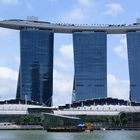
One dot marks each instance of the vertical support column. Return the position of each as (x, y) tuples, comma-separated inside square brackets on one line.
[(90, 63), (18, 95)]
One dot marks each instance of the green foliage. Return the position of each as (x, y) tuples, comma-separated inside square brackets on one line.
[(37, 120), (123, 119), (25, 120), (112, 120)]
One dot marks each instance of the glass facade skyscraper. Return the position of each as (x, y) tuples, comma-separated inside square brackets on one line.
[(35, 80), (90, 63), (133, 44)]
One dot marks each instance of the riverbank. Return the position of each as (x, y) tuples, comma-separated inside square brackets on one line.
[(74, 129)]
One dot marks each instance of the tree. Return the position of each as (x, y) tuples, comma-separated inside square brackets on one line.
[(123, 119), (25, 119), (37, 120)]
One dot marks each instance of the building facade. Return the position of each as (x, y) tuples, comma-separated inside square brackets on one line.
[(35, 80), (90, 65), (133, 44)]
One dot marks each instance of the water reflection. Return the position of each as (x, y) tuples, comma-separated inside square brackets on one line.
[(95, 135)]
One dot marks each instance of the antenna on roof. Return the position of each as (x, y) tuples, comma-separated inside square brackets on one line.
[(32, 18)]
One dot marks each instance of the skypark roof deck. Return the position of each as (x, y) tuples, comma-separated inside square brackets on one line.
[(18, 24)]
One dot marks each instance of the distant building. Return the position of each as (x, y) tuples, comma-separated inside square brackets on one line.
[(133, 44), (36, 66), (90, 63), (109, 113), (14, 111)]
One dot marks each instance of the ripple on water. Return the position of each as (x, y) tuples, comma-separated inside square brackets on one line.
[(95, 135)]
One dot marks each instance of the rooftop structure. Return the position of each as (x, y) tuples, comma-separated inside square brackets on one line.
[(98, 110), (104, 106), (18, 109), (69, 28)]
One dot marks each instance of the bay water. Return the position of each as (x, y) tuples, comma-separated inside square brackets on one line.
[(44, 135)]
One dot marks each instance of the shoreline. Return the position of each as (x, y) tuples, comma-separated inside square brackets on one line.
[(21, 127), (90, 130), (39, 127)]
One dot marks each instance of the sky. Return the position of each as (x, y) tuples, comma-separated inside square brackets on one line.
[(67, 11)]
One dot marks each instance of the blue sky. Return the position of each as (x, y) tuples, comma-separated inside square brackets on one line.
[(67, 11)]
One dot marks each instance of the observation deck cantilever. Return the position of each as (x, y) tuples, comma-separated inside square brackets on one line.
[(69, 28)]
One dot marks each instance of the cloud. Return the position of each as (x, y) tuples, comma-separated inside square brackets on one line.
[(60, 64), (121, 50), (86, 2), (113, 9), (10, 2), (7, 73), (29, 6), (8, 83), (62, 87), (80, 12), (7, 89), (63, 75), (75, 15), (64, 58), (117, 88), (9, 52), (9, 44), (67, 51)]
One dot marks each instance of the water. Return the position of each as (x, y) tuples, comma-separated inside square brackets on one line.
[(95, 135)]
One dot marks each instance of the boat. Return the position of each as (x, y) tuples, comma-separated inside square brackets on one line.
[(102, 128), (62, 129)]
